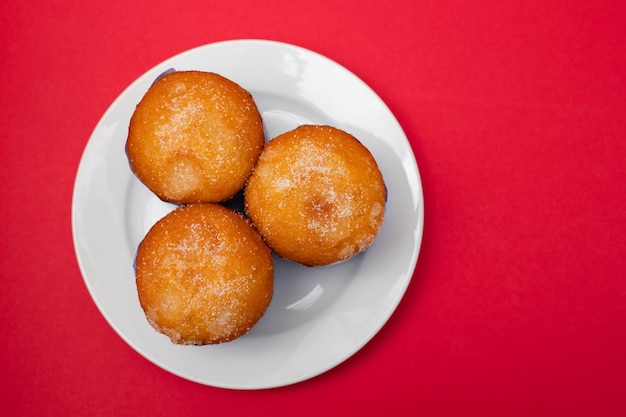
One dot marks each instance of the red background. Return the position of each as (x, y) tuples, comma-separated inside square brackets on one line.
[(516, 112)]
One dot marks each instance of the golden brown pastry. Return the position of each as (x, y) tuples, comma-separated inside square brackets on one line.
[(204, 275), (194, 137), (316, 195)]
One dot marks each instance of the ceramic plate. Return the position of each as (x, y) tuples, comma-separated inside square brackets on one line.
[(318, 317)]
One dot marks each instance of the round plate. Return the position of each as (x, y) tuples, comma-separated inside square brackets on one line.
[(319, 316)]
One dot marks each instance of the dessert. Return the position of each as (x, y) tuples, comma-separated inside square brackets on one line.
[(194, 137), (203, 275), (316, 195)]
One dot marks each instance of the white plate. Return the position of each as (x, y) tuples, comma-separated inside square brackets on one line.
[(319, 316)]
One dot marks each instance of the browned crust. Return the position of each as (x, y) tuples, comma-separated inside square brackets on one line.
[(316, 195), (194, 137), (204, 275)]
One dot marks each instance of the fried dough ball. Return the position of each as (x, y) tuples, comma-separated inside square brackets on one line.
[(316, 195), (204, 275), (194, 137)]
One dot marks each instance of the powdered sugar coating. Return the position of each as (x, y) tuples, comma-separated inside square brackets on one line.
[(203, 275), (194, 137), (316, 195)]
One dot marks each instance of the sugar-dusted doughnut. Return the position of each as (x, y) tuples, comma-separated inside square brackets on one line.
[(316, 195), (194, 137), (203, 275)]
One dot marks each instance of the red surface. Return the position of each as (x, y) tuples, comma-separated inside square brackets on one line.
[(516, 112)]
